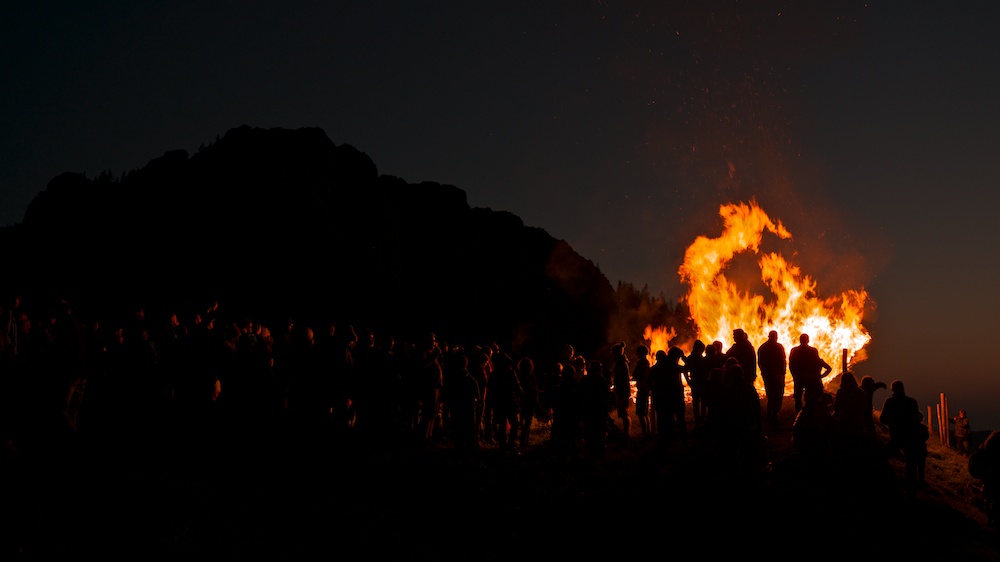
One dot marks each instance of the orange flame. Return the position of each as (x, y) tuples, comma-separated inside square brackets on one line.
[(718, 306), (659, 338)]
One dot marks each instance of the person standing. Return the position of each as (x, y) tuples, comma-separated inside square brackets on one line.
[(529, 399), (869, 386), (849, 411), (697, 375), (744, 352), (808, 370), (430, 377), (11, 328), (620, 379), (464, 396), (481, 366), (773, 365), (738, 418), (640, 374), (901, 414), (963, 433), (595, 399), (668, 395), (506, 390), (984, 464)]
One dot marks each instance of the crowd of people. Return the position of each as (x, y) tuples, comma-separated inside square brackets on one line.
[(201, 378)]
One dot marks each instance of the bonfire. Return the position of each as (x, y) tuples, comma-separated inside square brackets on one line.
[(794, 306)]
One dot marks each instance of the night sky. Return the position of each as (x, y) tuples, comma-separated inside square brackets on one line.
[(870, 130)]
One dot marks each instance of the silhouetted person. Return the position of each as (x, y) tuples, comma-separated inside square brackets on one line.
[(548, 381), (464, 398), (984, 464), (45, 374), (489, 421), (225, 362), (901, 414), (308, 405), (336, 350), (93, 410), (773, 363), (716, 379), (10, 326), (807, 369), (283, 337), (665, 378), (715, 360), (963, 433), (849, 411), (620, 378), (137, 324), (579, 371), (566, 411), (744, 352), (480, 367), (596, 395), (454, 366), (196, 387), (738, 416), (429, 381), (507, 392), (550, 396), (172, 339), (529, 400), (812, 430), (720, 350), (697, 367), (869, 386), (250, 401), (640, 374), (11, 382), (362, 399)]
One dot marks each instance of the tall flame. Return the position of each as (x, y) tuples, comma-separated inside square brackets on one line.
[(718, 306)]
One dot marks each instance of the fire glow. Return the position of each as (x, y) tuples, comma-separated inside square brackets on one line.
[(718, 306)]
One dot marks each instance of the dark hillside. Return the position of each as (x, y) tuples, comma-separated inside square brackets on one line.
[(284, 222)]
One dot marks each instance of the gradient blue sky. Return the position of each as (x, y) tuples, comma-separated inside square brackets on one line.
[(869, 129)]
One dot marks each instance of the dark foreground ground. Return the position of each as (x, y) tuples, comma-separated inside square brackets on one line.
[(274, 498)]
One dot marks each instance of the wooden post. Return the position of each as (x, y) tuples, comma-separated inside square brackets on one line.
[(937, 409), (844, 362), (942, 416), (930, 425), (947, 417)]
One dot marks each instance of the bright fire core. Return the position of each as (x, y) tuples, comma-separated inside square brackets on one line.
[(718, 305)]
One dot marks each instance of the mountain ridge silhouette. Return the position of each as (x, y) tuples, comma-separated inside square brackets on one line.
[(284, 222)]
